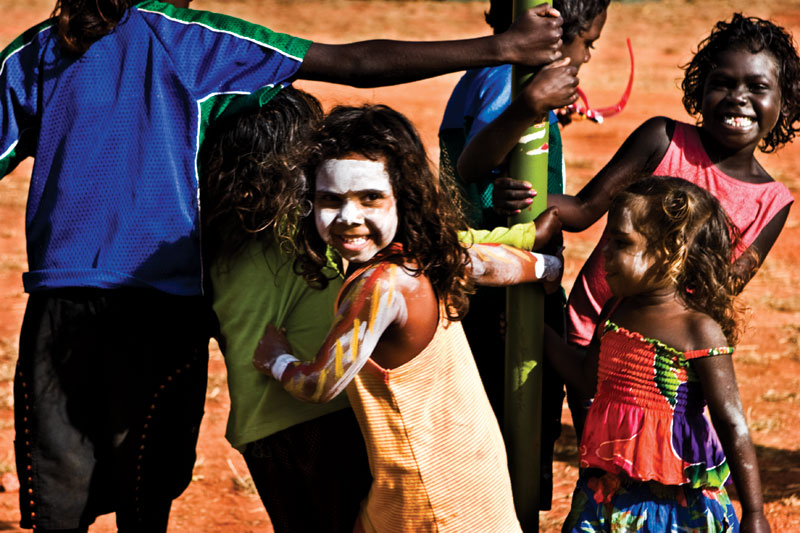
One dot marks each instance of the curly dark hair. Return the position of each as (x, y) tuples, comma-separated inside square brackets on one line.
[(82, 22), (577, 14), (428, 219), (253, 186), (693, 242), (754, 35)]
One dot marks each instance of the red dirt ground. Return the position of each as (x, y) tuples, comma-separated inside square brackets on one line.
[(664, 35)]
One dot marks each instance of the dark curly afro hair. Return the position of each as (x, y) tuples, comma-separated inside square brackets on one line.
[(755, 35)]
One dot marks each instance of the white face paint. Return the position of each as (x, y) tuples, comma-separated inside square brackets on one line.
[(355, 210), (627, 260)]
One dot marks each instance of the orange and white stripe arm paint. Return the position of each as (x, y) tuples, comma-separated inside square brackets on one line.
[(372, 305), (369, 308), (499, 265)]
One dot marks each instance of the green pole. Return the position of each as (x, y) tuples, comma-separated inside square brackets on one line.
[(524, 320)]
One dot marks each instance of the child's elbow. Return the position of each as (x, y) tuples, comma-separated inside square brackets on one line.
[(464, 171)]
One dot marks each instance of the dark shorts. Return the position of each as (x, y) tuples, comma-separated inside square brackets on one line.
[(312, 476), (108, 396)]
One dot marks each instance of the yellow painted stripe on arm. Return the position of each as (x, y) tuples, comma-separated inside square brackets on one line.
[(338, 368), (323, 377), (376, 302), (498, 255), (296, 383), (522, 254), (392, 276), (354, 343)]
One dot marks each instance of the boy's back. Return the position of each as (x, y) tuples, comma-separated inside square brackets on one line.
[(115, 133)]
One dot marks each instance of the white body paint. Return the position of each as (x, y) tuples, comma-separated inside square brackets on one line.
[(538, 134), (355, 210), (392, 309), (548, 267), (499, 266), (537, 151), (278, 367)]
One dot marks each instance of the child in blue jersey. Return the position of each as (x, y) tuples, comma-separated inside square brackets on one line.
[(113, 98)]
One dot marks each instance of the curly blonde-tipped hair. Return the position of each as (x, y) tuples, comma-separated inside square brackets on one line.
[(692, 241), (253, 187)]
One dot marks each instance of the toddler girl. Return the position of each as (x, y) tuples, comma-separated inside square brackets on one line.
[(650, 460)]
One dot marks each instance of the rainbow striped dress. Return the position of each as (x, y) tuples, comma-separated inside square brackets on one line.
[(651, 459)]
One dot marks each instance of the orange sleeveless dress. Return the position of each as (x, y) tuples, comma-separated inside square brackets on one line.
[(435, 450)]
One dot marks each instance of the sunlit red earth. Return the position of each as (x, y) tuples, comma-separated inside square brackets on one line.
[(664, 35)]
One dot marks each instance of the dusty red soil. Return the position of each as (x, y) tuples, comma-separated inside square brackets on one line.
[(664, 34)]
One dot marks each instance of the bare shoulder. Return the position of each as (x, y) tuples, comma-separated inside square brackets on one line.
[(655, 132), (702, 332), (395, 275), (658, 124)]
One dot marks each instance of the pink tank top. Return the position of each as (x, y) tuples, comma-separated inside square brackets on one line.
[(750, 206)]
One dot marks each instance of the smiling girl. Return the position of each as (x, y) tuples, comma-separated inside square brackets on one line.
[(436, 454), (743, 84)]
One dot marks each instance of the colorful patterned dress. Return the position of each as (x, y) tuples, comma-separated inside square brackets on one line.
[(651, 460)]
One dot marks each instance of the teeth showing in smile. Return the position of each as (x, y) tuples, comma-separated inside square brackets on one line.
[(737, 122), (354, 240)]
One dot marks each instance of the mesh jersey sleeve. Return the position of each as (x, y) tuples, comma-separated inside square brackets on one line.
[(216, 53), (19, 82), (490, 96)]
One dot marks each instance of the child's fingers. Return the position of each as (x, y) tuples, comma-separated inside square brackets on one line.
[(273, 335), (512, 184), (510, 196), (546, 10), (563, 62), (507, 212)]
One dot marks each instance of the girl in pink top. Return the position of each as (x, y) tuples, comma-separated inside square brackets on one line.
[(396, 345), (744, 83)]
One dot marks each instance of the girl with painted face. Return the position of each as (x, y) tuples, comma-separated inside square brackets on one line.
[(650, 460), (396, 347)]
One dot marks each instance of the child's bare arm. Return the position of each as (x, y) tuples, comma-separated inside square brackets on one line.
[(534, 39), (638, 156), (552, 87), (365, 313), (721, 392), (577, 366), (498, 265), (746, 266)]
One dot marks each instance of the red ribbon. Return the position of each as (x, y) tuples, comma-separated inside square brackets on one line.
[(599, 114)]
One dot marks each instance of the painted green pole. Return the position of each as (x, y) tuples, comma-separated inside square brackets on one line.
[(525, 320)]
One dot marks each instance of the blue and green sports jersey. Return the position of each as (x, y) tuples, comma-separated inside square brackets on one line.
[(480, 96), (115, 134)]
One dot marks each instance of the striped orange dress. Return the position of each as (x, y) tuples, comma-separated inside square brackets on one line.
[(435, 450)]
